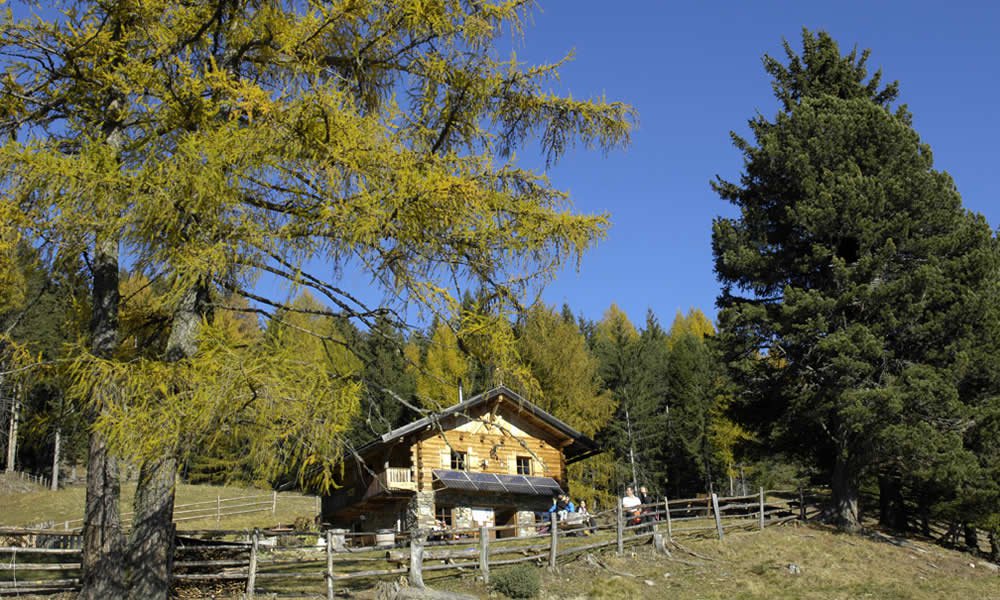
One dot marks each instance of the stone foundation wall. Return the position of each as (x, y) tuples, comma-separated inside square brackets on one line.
[(525, 522), (420, 511)]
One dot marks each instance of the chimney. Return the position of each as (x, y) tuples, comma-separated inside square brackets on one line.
[(460, 391)]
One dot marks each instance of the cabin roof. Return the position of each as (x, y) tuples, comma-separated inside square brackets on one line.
[(580, 448)]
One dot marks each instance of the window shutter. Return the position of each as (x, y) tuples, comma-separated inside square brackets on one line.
[(445, 458), (512, 463), (470, 460)]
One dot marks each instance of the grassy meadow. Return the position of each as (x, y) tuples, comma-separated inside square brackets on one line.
[(22, 503), (755, 565)]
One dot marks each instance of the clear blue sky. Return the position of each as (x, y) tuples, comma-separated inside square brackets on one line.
[(693, 70)]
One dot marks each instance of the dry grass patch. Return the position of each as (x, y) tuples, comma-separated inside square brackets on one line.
[(758, 565), (20, 505)]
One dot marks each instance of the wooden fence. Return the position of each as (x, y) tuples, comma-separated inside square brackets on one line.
[(41, 480), (207, 509), (296, 562)]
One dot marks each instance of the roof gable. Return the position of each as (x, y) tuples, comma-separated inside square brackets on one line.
[(503, 408)]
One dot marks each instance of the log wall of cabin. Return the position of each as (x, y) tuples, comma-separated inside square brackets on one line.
[(434, 452)]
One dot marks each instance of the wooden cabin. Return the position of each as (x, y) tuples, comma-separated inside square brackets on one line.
[(494, 459)]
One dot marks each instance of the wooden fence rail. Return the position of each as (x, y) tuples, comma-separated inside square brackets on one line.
[(291, 562), (41, 480), (212, 509)]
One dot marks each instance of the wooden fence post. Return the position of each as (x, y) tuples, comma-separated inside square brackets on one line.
[(670, 527), (620, 529), (802, 504), (658, 543), (484, 553), (252, 570), (762, 508), (718, 517), (274, 502), (554, 538), (218, 509), (417, 536), (329, 565)]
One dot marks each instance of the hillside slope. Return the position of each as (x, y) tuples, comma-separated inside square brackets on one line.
[(756, 565)]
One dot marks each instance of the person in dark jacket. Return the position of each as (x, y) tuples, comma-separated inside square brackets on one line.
[(649, 505)]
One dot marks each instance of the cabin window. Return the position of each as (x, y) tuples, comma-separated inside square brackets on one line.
[(443, 516), (458, 461), (524, 465)]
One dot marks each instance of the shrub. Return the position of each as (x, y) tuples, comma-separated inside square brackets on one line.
[(518, 582)]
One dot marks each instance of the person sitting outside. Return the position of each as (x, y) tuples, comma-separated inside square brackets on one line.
[(588, 521), (543, 519), (649, 505), (564, 506), (630, 506)]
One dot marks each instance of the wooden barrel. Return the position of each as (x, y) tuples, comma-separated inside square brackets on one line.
[(385, 537)]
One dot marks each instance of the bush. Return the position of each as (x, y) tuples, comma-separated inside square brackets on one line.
[(518, 582)]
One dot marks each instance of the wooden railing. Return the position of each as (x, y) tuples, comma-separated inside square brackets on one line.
[(398, 478)]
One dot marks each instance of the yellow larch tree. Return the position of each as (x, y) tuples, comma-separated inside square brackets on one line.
[(214, 141)]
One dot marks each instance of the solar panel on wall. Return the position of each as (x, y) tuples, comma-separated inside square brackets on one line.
[(455, 479), (545, 486), (495, 483), (487, 482), (516, 484)]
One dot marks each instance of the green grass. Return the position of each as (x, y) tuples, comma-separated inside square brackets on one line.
[(40, 505), (747, 565), (751, 565)]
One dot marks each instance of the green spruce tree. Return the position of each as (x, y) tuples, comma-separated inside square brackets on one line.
[(849, 275)]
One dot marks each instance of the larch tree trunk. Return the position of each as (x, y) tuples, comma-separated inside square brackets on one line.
[(12, 432), (151, 546), (55, 461), (103, 556)]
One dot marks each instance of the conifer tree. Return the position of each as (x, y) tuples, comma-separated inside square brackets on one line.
[(387, 379), (567, 374), (438, 367), (568, 387), (650, 405), (851, 276), (223, 140), (615, 343), (50, 317)]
